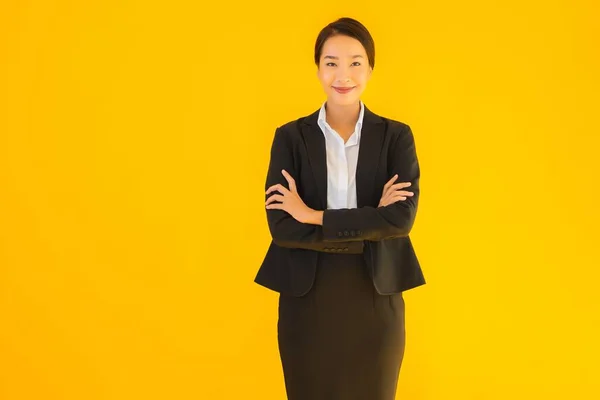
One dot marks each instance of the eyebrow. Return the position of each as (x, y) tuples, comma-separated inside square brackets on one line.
[(336, 58)]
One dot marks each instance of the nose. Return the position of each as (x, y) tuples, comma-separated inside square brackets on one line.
[(343, 76)]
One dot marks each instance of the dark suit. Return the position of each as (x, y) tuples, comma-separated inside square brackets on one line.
[(381, 234)]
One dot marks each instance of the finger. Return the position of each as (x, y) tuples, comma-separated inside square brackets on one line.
[(404, 193), (387, 199), (389, 183), (278, 187), (394, 199), (291, 181), (270, 189), (400, 185), (390, 192), (391, 199), (275, 206), (396, 188), (275, 197)]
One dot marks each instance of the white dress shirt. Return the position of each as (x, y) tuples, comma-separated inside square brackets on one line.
[(341, 162)]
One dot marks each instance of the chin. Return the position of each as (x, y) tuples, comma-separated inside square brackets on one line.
[(342, 101)]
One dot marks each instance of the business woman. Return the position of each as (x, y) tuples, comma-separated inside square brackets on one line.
[(342, 191)]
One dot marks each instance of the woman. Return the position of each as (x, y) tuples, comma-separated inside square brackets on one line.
[(339, 212)]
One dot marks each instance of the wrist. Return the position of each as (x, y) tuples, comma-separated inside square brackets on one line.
[(316, 217)]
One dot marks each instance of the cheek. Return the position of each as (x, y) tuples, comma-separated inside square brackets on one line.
[(361, 77), (325, 79)]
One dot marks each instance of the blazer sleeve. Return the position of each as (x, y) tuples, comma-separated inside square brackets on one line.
[(285, 230), (378, 223)]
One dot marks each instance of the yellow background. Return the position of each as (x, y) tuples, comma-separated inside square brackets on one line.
[(134, 142)]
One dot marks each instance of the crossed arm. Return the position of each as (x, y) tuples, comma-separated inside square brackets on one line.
[(292, 224)]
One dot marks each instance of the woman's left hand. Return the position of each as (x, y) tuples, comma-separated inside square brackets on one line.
[(289, 200)]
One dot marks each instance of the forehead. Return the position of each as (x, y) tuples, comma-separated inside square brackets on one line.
[(342, 46)]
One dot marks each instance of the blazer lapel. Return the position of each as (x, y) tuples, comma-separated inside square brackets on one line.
[(371, 141), (317, 154)]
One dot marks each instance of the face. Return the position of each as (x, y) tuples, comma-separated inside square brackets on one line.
[(344, 70)]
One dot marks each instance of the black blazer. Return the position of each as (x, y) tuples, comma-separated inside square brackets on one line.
[(387, 147)]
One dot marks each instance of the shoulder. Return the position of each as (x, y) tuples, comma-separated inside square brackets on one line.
[(395, 127), (292, 127), (398, 133), (295, 126), (291, 131)]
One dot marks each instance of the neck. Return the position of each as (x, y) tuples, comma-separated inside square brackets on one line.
[(341, 115)]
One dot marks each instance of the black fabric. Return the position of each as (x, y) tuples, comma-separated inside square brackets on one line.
[(342, 340), (387, 147)]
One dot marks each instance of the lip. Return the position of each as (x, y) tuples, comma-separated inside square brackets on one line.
[(343, 90)]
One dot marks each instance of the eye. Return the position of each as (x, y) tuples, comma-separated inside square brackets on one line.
[(330, 64), (356, 62)]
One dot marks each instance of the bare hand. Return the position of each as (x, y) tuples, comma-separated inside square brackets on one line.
[(393, 193), (289, 200)]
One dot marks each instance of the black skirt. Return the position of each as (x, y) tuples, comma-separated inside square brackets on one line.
[(342, 340)]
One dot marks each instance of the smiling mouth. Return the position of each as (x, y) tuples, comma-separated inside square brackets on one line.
[(343, 89)]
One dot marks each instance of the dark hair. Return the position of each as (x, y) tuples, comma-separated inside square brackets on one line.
[(348, 27)]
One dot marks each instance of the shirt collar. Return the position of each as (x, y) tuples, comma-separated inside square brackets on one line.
[(322, 121)]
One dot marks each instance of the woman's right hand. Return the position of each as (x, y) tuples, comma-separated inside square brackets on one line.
[(393, 192)]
